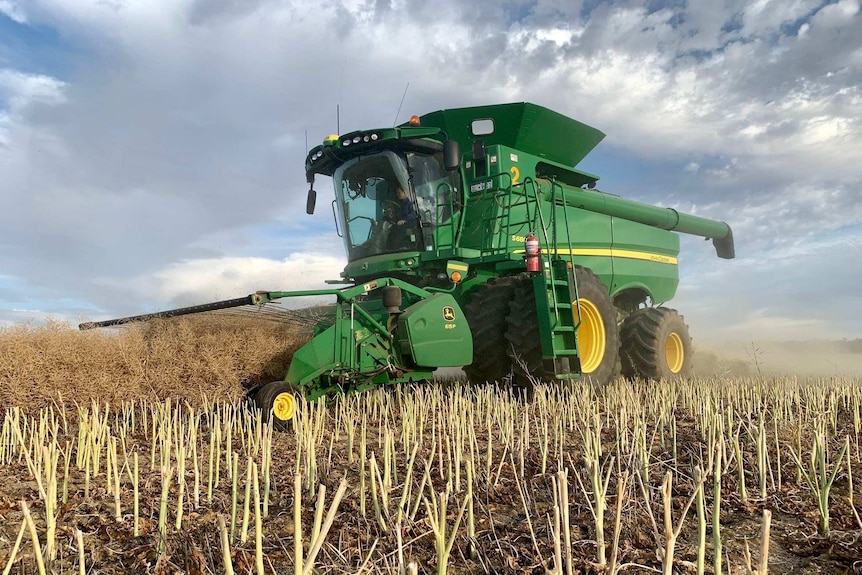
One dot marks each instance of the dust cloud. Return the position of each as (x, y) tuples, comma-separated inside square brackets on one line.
[(768, 358)]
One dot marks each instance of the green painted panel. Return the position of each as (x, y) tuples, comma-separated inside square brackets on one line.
[(645, 258), (435, 332), (314, 356), (526, 127)]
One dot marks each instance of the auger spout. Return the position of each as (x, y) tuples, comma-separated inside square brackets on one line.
[(665, 218)]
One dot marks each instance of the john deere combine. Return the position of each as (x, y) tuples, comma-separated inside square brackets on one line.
[(473, 241)]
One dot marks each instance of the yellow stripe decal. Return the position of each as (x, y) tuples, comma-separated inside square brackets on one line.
[(605, 252), (459, 267)]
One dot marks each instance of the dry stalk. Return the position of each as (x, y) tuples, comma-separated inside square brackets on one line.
[(598, 502), (437, 518), (167, 473), (850, 485), (258, 523), (817, 476), (318, 511), (34, 537), (234, 496), (297, 524), (526, 510), (622, 484), (764, 543), (225, 547), (327, 524), (246, 504), (671, 532), (79, 538), (14, 553)]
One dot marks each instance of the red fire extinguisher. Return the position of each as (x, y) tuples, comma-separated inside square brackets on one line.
[(531, 247)]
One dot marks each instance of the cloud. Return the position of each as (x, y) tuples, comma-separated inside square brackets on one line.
[(169, 154), (13, 11), (18, 89), (209, 279), (793, 290)]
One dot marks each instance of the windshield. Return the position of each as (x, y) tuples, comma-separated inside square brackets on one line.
[(391, 202)]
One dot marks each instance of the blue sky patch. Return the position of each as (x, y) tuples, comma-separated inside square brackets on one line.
[(36, 49)]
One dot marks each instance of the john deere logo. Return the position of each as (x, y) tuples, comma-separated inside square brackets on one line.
[(449, 313)]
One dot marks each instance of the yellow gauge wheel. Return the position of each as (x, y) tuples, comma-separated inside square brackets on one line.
[(591, 336), (284, 406), (674, 352)]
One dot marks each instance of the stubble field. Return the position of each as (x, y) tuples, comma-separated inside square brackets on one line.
[(134, 452)]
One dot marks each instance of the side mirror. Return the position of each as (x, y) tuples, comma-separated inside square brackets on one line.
[(311, 201), (451, 155)]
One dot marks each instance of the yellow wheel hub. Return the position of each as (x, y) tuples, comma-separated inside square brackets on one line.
[(591, 336), (284, 406), (674, 352)]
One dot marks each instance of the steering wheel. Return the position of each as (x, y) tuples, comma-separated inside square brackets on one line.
[(390, 209)]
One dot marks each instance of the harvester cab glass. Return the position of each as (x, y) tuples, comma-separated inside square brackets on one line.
[(390, 202)]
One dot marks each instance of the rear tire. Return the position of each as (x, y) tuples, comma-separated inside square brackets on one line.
[(278, 401), (486, 315), (656, 344)]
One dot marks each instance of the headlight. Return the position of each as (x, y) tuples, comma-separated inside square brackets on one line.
[(356, 139)]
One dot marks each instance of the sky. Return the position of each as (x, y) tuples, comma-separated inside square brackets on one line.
[(152, 153)]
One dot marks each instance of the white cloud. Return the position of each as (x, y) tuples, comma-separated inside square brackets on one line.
[(837, 15), (18, 89), (765, 17), (173, 146), (210, 279), (13, 10)]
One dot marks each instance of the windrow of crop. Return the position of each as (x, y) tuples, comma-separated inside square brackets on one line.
[(193, 359)]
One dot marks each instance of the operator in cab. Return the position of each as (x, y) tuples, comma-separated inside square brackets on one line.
[(404, 218), (406, 215)]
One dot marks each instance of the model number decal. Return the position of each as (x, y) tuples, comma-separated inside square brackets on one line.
[(516, 173)]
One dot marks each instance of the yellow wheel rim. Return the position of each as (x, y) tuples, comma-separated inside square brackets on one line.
[(674, 352), (284, 406), (591, 336)]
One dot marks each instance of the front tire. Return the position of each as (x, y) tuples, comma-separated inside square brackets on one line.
[(656, 344), (598, 334), (486, 315)]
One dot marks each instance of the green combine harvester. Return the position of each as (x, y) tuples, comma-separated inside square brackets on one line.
[(473, 242)]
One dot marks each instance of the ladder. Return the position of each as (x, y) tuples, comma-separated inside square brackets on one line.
[(556, 289)]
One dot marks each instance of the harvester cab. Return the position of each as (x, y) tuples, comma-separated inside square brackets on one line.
[(473, 240)]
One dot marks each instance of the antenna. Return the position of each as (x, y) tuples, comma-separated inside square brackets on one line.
[(340, 96), (306, 141), (399, 105)]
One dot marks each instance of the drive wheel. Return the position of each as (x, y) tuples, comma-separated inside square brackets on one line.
[(656, 344), (598, 334), (523, 340), (278, 401), (486, 315)]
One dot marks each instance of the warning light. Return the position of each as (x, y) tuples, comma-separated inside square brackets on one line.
[(414, 120), (456, 277)]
